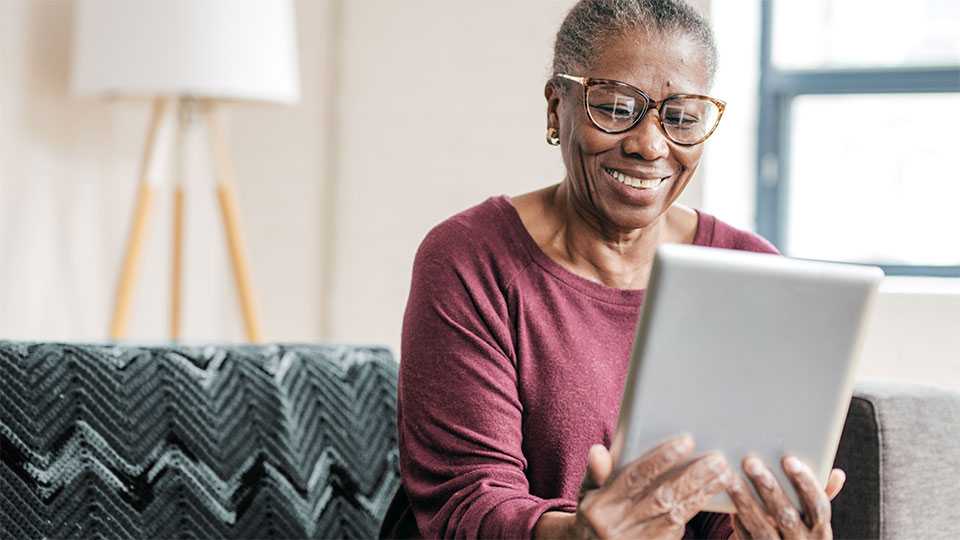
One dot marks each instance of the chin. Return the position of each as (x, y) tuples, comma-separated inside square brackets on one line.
[(630, 215), (634, 219)]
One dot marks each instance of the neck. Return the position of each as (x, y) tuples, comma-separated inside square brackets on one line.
[(616, 257)]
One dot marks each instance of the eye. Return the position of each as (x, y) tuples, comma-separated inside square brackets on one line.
[(615, 110), (613, 105), (680, 119)]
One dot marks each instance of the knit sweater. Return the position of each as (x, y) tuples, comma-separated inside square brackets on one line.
[(511, 368)]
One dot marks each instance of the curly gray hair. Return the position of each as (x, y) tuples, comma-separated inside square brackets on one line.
[(590, 24)]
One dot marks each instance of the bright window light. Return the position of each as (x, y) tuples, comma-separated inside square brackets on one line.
[(813, 34), (874, 178)]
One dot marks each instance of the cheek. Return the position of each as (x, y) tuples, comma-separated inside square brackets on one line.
[(581, 139), (688, 157), (584, 142), (594, 141)]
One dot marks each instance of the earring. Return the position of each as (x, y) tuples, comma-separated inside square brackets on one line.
[(553, 137)]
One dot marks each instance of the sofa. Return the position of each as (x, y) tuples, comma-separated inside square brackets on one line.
[(299, 441), (276, 441)]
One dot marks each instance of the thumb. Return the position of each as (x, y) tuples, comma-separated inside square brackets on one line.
[(599, 465), (835, 483)]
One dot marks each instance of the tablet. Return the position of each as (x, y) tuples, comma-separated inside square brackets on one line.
[(749, 353)]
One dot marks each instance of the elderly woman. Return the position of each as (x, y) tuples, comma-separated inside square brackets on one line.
[(521, 315)]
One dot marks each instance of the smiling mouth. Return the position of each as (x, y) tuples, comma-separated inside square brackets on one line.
[(639, 183)]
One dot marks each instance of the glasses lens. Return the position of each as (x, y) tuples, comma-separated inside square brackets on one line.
[(689, 120), (614, 107)]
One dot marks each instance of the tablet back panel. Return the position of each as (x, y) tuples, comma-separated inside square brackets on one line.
[(749, 353)]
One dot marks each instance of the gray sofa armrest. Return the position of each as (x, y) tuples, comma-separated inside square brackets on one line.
[(901, 451)]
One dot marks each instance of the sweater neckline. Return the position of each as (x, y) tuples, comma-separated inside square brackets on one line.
[(599, 291)]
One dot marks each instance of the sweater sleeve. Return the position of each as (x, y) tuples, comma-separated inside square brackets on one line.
[(710, 525), (459, 411)]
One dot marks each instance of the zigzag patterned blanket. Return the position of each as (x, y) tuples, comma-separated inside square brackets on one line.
[(217, 442)]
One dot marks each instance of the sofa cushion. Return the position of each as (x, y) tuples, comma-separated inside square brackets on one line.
[(901, 450), (856, 510), (217, 442)]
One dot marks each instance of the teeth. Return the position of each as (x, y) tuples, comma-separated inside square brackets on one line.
[(634, 182)]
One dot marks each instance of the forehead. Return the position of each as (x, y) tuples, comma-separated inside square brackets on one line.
[(657, 63)]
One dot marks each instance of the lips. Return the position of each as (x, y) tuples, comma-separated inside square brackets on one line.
[(635, 182)]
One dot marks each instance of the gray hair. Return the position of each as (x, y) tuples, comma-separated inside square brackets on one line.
[(591, 24)]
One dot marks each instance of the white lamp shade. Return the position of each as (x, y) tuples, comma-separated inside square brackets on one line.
[(228, 49)]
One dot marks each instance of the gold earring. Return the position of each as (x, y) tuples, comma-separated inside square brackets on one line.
[(553, 137)]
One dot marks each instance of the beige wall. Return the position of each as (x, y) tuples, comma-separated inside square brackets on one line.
[(411, 111), (461, 84), (914, 334), (68, 171)]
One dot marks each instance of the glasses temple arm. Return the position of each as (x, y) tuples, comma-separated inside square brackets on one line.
[(581, 80)]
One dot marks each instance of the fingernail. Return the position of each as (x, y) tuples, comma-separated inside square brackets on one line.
[(727, 478), (683, 444), (753, 466), (792, 465), (716, 463), (736, 483), (767, 480), (759, 472)]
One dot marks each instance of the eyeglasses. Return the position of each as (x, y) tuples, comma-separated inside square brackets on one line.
[(615, 107)]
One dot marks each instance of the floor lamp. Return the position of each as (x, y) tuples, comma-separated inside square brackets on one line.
[(192, 55)]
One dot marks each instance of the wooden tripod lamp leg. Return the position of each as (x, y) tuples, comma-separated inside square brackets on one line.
[(141, 215), (228, 210), (176, 285), (185, 111)]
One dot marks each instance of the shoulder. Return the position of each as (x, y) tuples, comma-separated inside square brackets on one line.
[(480, 239), (461, 274), (720, 234)]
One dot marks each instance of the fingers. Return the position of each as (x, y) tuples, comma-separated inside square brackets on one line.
[(640, 474), (741, 532), (835, 483), (778, 506), (606, 507), (599, 466), (701, 481), (683, 493), (751, 516), (815, 502)]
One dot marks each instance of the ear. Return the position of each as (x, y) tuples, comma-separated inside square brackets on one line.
[(552, 92)]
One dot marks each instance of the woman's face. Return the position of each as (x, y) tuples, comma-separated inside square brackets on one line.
[(660, 65)]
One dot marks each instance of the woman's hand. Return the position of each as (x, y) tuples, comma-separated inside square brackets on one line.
[(776, 517), (652, 497)]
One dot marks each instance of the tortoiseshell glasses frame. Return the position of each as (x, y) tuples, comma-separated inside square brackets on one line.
[(590, 83)]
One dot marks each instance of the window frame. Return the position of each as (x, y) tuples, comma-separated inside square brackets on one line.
[(779, 87)]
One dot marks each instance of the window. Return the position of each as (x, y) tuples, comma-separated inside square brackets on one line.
[(860, 132)]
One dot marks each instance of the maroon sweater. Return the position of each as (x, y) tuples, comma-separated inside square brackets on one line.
[(511, 368)]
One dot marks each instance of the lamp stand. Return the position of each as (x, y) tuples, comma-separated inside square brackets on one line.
[(223, 169)]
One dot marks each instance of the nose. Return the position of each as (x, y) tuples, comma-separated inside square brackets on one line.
[(646, 140)]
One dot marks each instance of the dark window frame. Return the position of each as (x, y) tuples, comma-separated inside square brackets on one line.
[(778, 88)]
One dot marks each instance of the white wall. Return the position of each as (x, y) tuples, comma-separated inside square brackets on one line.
[(731, 153), (68, 170), (411, 111), (914, 334), (440, 106)]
